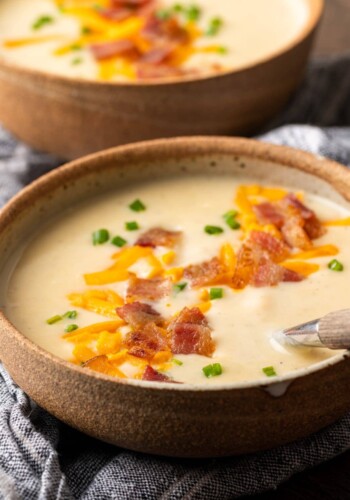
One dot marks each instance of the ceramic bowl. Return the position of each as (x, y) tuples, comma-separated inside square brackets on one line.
[(71, 117), (173, 419)]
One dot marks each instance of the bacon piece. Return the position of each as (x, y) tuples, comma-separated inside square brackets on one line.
[(110, 49), (116, 14), (159, 237), (153, 289), (267, 213), (191, 334), (247, 262), (157, 55), (138, 314), (294, 233), (147, 342), (312, 225), (152, 375), (205, 273), (270, 274), (162, 32), (276, 248)]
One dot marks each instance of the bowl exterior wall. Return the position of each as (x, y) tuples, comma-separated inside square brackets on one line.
[(71, 119), (179, 423)]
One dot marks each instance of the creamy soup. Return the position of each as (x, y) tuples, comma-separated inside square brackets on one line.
[(146, 39), (188, 286)]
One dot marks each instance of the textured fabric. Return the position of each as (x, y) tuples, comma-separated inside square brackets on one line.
[(41, 458)]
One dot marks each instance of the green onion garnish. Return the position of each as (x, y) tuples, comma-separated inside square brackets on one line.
[(42, 21), (70, 314), (269, 371), (118, 241), (179, 287), (193, 13), (222, 50), (213, 229), (75, 46), (76, 61), (178, 8), (212, 370), (335, 265), (230, 219), (100, 236), (216, 293), (85, 30), (177, 362), (137, 206), (131, 226), (71, 328), (163, 14), (54, 319), (215, 26)]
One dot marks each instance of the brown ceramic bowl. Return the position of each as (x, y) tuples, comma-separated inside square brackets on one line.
[(173, 419), (71, 117)]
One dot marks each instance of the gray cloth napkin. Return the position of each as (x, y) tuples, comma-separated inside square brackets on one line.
[(41, 458)]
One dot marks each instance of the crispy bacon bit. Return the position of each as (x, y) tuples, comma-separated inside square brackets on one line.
[(110, 49), (157, 55), (276, 248), (267, 213), (164, 32), (159, 237), (294, 233), (116, 14), (191, 334), (147, 342), (270, 274), (153, 289), (205, 273), (247, 261), (151, 71), (152, 375), (310, 222), (138, 314)]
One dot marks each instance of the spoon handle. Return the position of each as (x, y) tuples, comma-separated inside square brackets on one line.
[(334, 329)]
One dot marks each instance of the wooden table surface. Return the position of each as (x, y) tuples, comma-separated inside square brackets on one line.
[(331, 480)]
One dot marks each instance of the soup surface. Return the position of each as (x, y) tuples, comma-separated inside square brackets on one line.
[(146, 39), (184, 279)]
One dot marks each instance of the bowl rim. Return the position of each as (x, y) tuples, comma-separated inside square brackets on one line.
[(335, 174), (314, 17)]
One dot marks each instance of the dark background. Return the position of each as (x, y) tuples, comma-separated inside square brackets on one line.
[(329, 481)]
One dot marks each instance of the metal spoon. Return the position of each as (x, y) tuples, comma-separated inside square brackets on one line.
[(331, 331)]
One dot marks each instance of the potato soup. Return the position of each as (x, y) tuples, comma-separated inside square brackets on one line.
[(132, 40), (183, 280)]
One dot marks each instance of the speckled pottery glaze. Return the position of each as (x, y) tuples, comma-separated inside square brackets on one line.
[(173, 419), (72, 117)]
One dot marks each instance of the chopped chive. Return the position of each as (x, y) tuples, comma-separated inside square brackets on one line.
[(137, 206), (179, 287), (222, 50), (77, 61), (163, 14), (100, 236), (193, 13), (230, 219), (335, 265), (70, 314), (177, 362), (75, 46), (54, 319), (42, 21), (85, 30), (212, 370), (213, 229), (131, 226), (216, 293), (71, 328), (269, 371), (215, 26), (118, 241), (178, 7)]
